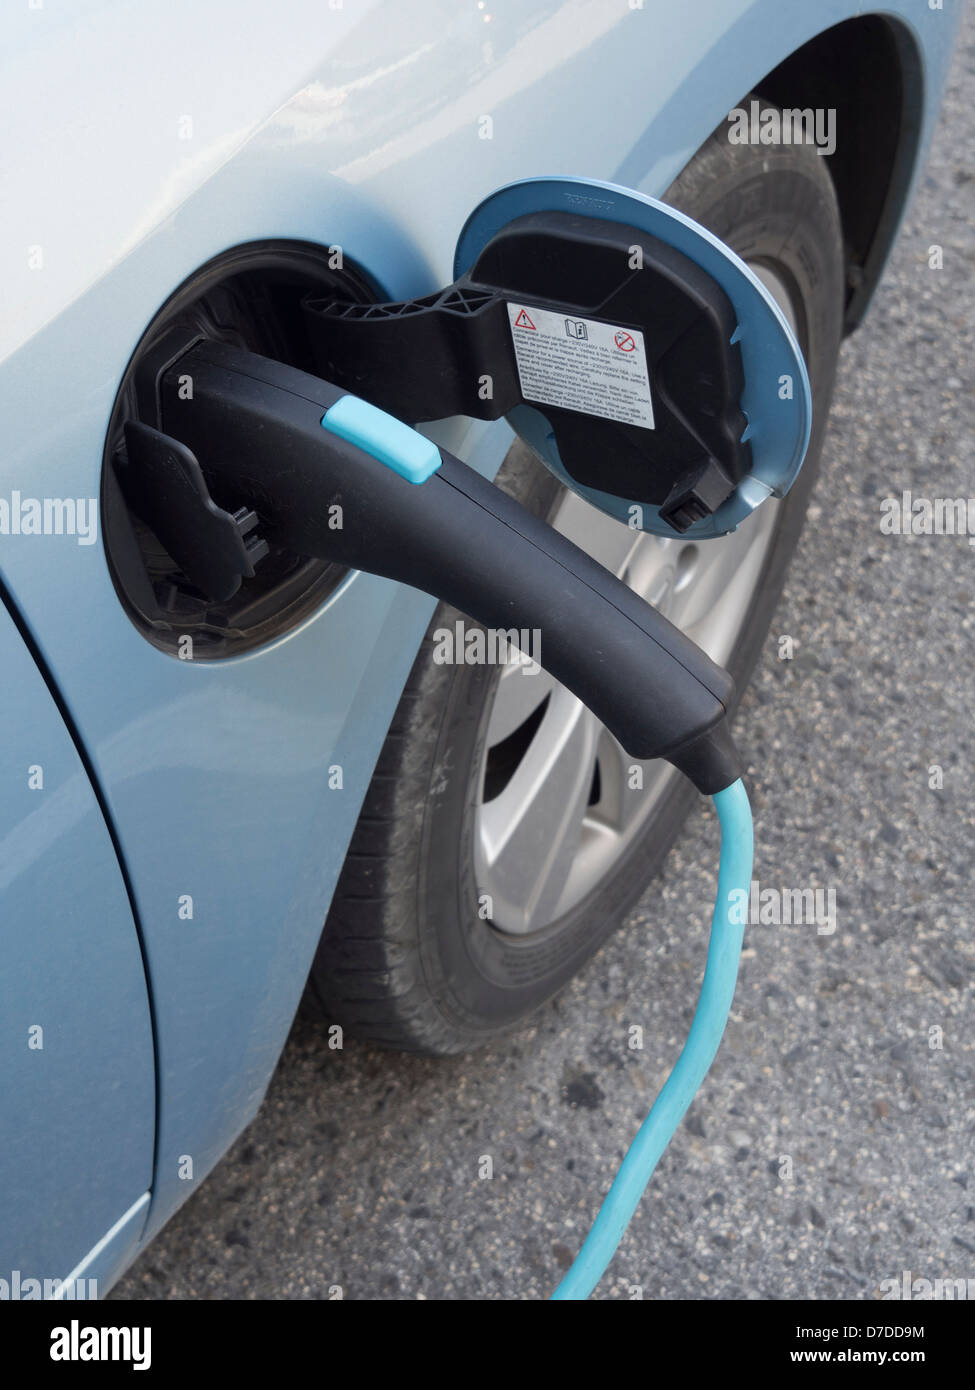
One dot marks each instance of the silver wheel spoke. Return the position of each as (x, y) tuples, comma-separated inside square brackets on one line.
[(528, 835), (722, 582), (519, 694)]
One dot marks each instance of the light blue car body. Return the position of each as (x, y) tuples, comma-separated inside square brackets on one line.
[(138, 143)]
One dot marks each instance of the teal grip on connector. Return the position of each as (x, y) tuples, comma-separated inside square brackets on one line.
[(387, 439)]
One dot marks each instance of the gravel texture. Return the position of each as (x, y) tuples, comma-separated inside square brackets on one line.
[(832, 1146)]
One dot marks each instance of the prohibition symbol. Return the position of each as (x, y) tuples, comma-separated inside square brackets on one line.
[(624, 341)]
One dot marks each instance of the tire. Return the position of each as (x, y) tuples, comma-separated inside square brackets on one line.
[(404, 960)]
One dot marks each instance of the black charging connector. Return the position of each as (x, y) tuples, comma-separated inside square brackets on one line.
[(237, 437)]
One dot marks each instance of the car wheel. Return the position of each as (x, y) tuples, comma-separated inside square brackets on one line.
[(501, 838)]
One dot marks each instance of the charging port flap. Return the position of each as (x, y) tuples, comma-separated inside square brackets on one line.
[(641, 359)]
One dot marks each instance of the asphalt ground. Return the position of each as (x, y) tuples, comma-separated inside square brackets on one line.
[(833, 1145)]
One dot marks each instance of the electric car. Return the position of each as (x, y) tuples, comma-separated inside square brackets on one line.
[(210, 806)]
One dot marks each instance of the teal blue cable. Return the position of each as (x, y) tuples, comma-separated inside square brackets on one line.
[(703, 1040)]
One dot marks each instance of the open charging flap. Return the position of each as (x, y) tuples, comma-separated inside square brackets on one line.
[(642, 361)]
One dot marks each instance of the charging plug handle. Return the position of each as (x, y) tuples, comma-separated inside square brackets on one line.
[(378, 497)]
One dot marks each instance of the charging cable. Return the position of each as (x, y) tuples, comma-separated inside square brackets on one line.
[(703, 1040)]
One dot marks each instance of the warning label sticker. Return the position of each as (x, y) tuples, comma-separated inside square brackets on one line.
[(581, 364)]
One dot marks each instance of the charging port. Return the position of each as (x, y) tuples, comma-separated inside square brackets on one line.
[(250, 298)]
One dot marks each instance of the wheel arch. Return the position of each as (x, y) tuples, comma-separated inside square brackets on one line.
[(869, 69)]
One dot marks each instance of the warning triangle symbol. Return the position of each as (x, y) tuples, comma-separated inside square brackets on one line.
[(523, 321)]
